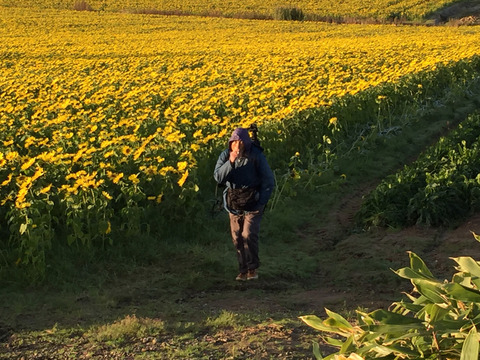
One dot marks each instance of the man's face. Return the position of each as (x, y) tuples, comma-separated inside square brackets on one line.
[(237, 146)]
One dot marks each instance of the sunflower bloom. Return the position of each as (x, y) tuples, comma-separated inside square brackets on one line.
[(107, 195), (46, 189), (134, 179), (29, 163), (7, 181), (183, 179), (117, 178)]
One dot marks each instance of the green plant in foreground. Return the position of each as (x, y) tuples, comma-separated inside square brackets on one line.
[(438, 320)]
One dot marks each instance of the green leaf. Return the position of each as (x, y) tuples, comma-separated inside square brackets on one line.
[(464, 279), (431, 290), (347, 345), (449, 326), (410, 274), (462, 293), (316, 351), (382, 329), (417, 264), (364, 318), (408, 307), (421, 301), (70, 239), (315, 322), (337, 320), (103, 226), (398, 349), (467, 264), (470, 346), (435, 312), (333, 324), (334, 342), (388, 317)]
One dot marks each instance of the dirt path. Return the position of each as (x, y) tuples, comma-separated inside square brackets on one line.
[(435, 246)]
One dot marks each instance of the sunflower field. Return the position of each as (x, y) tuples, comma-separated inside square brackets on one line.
[(358, 9), (110, 121)]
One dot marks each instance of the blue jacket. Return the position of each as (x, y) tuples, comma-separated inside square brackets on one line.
[(249, 171)]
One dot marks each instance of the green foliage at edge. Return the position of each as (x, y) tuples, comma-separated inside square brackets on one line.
[(440, 188), (439, 319)]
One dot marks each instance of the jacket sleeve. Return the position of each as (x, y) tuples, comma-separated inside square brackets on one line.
[(267, 180), (222, 168)]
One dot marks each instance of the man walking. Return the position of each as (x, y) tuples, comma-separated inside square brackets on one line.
[(249, 181)]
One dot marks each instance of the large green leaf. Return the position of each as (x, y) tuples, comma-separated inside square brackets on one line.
[(465, 279), (436, 313), (405, 308), (333, 324), (432, 290), (399, 349), (347, 346), (470, 346), (450, 326), (389, 317), (378, 330), (417, 264), (467, 264), (315, 322), (333, 341), (316, 351), (459, 292), (421, 300), (410, 274), (338, 320)]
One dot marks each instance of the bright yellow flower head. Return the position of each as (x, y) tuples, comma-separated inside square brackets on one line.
[(182, 165), (117, 178), (183, 179), (107, 195), (46, 189), (134, 179), (127, 150), (27, 164)]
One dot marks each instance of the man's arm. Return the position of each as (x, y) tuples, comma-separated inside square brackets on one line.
[(222, 168)]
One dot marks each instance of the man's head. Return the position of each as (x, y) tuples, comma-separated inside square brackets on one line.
[(240, 138)]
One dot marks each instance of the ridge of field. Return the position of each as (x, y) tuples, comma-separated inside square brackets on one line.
[(107, 116), (384, 10)]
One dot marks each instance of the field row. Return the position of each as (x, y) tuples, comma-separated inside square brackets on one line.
[(379, 9), (440, 188)]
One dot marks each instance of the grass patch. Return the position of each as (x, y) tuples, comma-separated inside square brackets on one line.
[(127, 328), (225, 320)]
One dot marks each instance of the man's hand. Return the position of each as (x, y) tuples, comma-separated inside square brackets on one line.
[(236, 148), (234, 155)]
